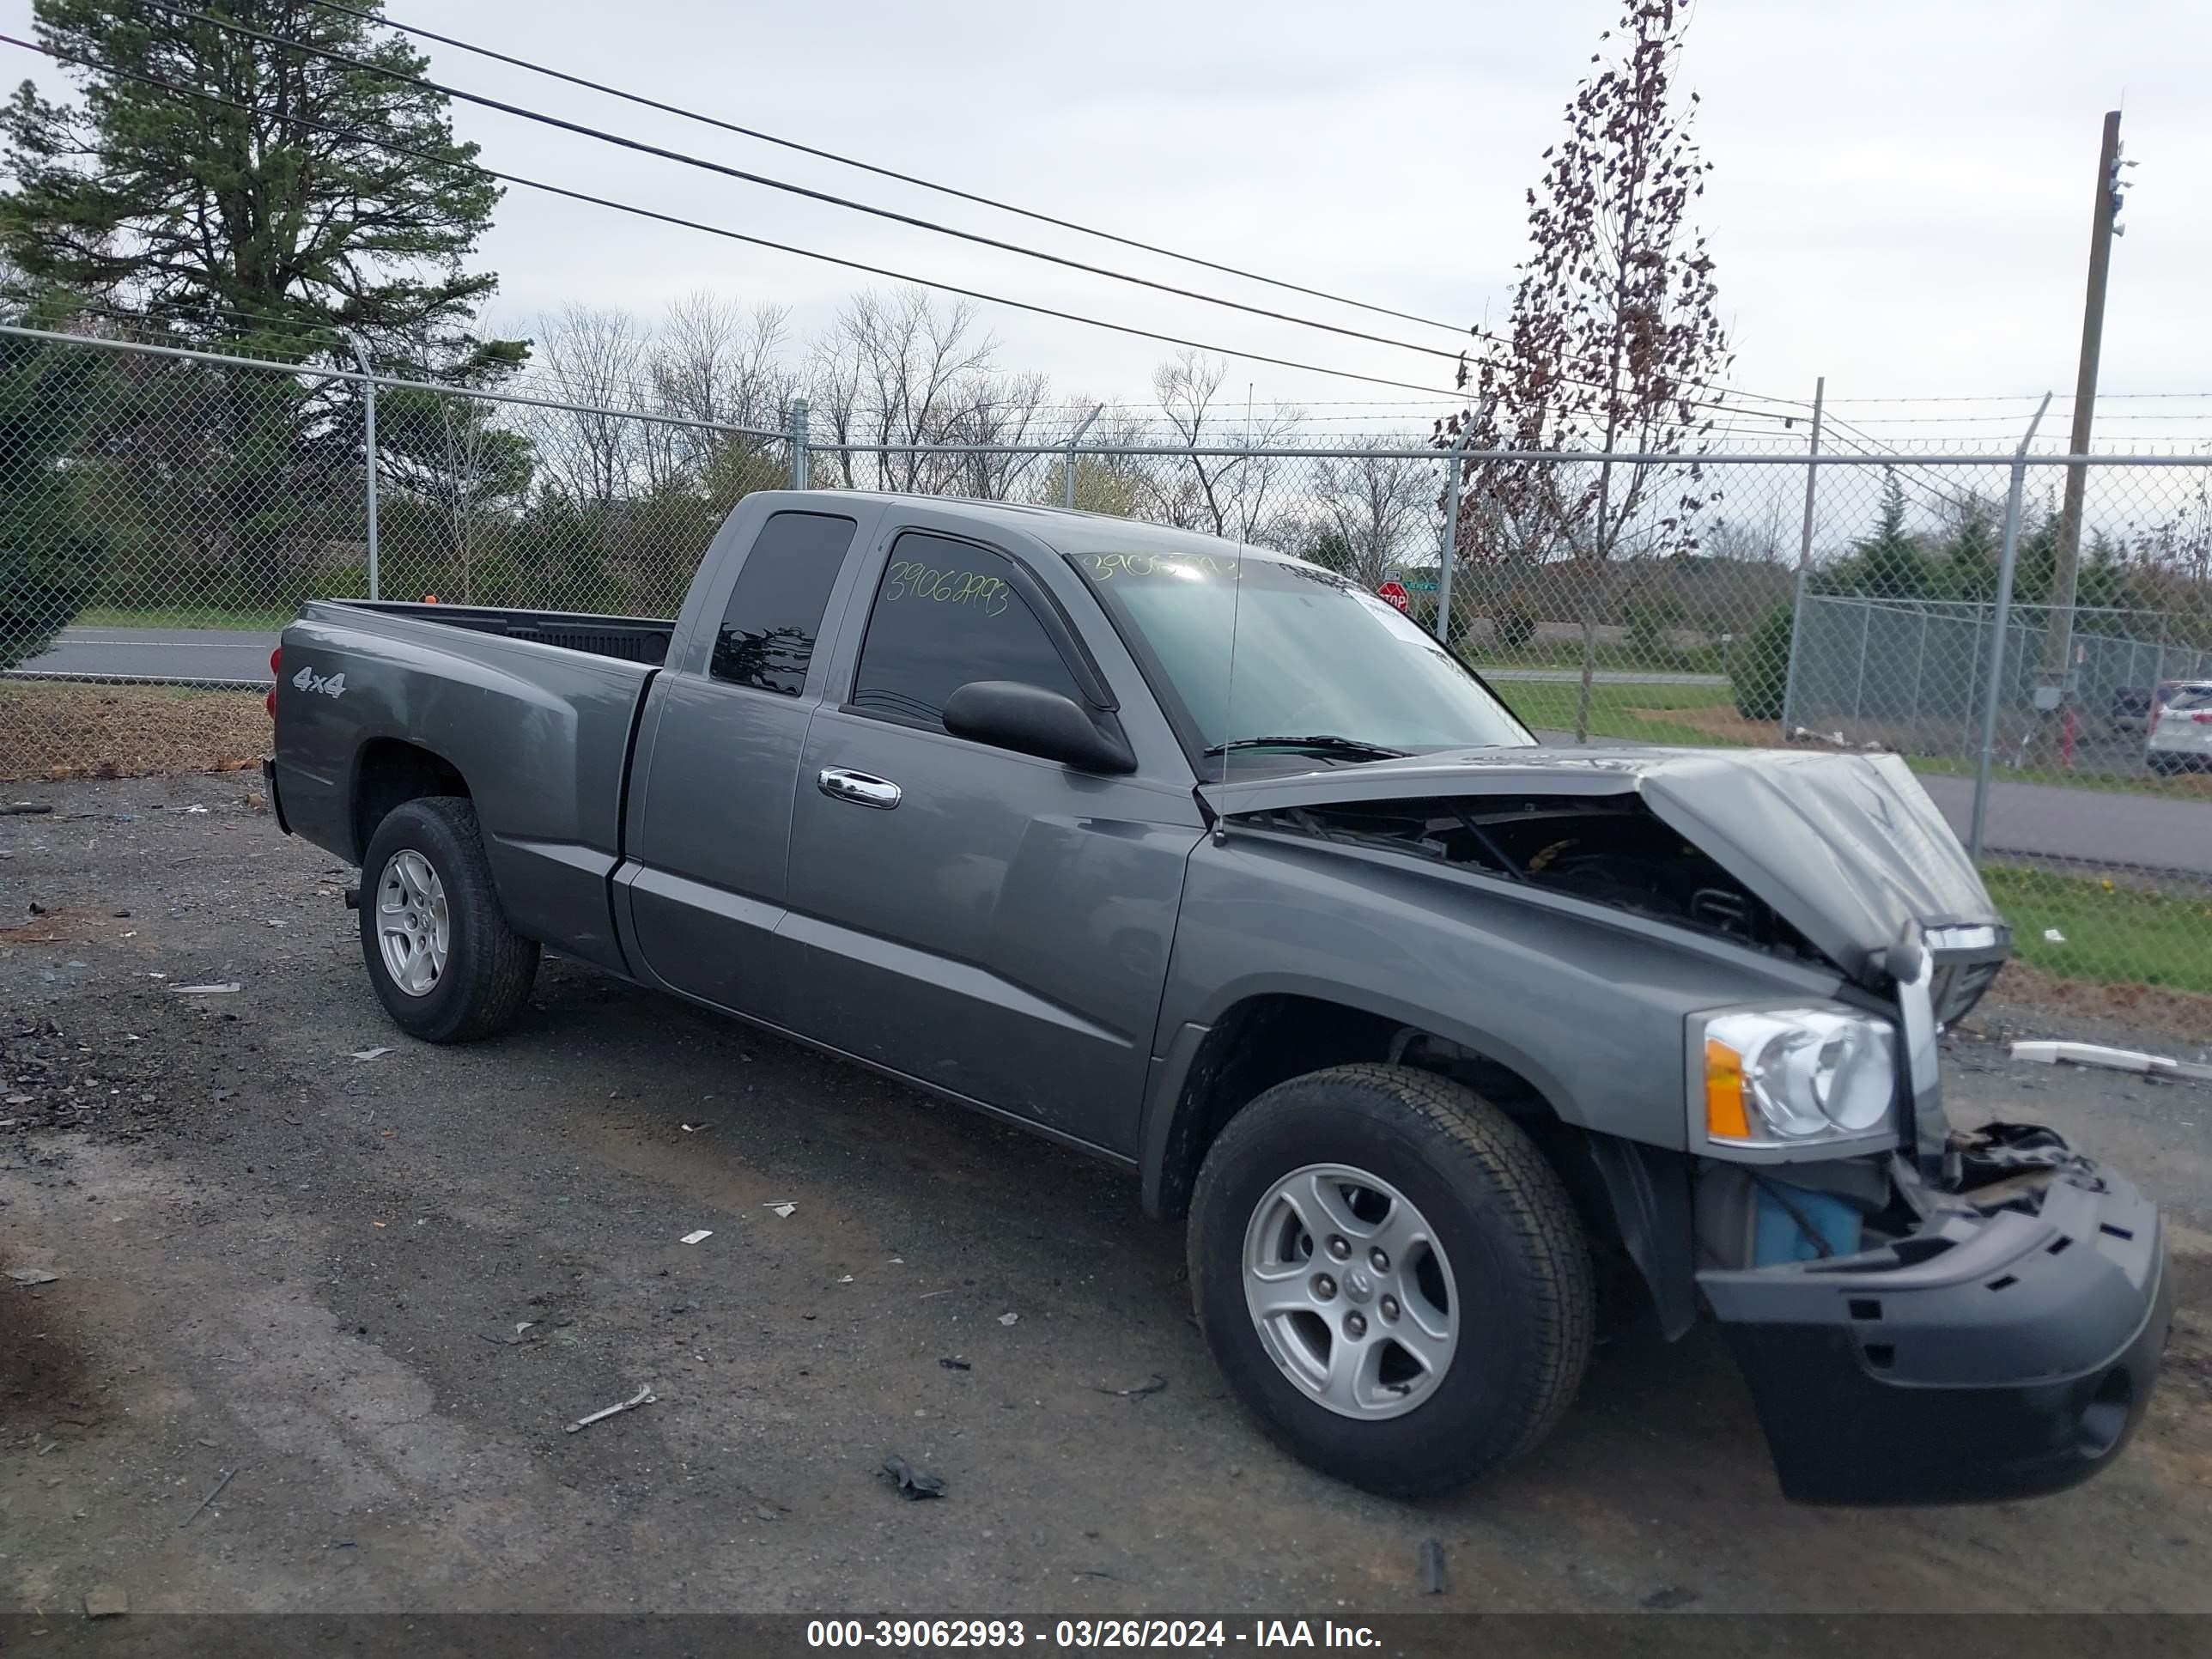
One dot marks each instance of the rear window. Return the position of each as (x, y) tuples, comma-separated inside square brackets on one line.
[(775, 614), (2190, 697)]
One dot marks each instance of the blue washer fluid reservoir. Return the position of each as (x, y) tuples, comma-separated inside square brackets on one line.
[(1795, 1223)]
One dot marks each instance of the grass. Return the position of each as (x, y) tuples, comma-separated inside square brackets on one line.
[(2113, 932), (1636, 713)]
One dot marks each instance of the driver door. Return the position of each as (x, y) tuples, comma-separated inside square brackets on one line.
[(991, 923)]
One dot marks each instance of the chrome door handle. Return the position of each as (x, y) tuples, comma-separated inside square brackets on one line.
[(858, 788)]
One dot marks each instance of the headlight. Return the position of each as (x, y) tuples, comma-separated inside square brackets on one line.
[(1793, 1077)]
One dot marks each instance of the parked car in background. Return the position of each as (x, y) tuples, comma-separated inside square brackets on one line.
[(2180, 737), (2135, 707)]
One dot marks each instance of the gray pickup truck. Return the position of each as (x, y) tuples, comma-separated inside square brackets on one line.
[(1200, 859)]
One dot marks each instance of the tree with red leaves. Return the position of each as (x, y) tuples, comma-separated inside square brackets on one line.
[(1615, 344)]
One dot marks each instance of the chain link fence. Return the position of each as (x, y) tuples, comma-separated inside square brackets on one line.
[(163, 512)]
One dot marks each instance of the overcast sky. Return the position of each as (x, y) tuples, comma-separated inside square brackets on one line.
[(1901, 198)]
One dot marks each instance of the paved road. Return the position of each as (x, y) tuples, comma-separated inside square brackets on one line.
[(2026, 820), (169, 653), (2036, 821)]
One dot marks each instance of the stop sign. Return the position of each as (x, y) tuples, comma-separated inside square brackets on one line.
[(1393, 591)]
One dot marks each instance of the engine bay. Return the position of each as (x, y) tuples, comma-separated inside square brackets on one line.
[(1612, 851)]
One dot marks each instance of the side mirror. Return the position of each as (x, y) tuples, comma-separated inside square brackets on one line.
[(1031, 720)]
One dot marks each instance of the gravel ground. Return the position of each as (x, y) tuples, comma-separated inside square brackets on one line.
[(354, 1300)]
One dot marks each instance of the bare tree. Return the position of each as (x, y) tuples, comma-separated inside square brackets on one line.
[(999, 409), (899, 377), (714, 361), (1616, 334), (1765, 539), (1227, 495), (596, 360), (1371, 507), (913, 366)]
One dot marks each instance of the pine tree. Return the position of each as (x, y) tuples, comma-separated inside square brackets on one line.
[(267, 201)]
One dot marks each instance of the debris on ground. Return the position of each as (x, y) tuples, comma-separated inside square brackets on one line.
[(2110, 1059), (25, 809), (1432, 1567), (32, 1275), (1666, 1600), (952, 1365), (699, 1237), (693, 1128), (911, 1482), (370, 1054), (204, 990), (213, 1493), (782, 1206), (1152, 1385), (106, 1601), (1009, 1318), (644, 1396), (2052, 936)]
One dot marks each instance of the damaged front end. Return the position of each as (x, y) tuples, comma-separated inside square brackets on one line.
[(1923, 1314), (1978, 1316)]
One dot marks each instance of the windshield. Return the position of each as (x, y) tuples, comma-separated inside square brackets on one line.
[(1314, 658)]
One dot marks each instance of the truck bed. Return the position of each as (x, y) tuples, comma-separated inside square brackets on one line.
[(626, 639), (534, 709)]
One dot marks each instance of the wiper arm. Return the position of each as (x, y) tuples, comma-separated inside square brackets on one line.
[(1324, 744)]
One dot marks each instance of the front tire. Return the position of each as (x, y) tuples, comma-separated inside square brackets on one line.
[(1391, 1277), (445, 965)]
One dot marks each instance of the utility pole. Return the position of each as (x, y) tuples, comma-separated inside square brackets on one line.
[(2058, 636), (1804, 562)]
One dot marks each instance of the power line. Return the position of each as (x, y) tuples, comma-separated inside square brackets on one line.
[(689, 159), (870, 167), (435, 159), (2010, 397), (768, 182), (1456, 395)]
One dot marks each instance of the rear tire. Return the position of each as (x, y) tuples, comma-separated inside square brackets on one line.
[(2165, 766), (1510, 1274), (445, 965)]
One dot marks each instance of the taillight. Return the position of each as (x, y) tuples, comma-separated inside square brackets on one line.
[(276, 661), (2202, 717)]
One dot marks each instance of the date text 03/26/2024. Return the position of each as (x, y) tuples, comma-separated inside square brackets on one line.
[(1007, 1634)]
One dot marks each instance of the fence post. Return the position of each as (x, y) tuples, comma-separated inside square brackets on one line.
[(797, 433), (1989, 692), (1068, 467), (1447, 555), (1858, 689), (1919, 672), (369, 450), (1804, 559)]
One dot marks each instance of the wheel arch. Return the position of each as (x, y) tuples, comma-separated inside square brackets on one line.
[(388, 772)]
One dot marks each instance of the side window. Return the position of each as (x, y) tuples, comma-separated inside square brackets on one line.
[(775, 614), (945, 615)]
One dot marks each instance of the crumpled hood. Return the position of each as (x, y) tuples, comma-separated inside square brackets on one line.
[(1846, 847)]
